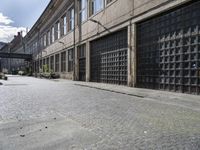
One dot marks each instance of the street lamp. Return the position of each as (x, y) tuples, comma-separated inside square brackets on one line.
[(99, 23), (61, 42)]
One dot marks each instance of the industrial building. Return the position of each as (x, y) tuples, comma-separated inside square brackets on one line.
[(13, 65), (151, 44)]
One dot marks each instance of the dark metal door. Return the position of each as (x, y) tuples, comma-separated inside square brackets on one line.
[(109, 59), (168, 51), (82, 63), (82, 67)]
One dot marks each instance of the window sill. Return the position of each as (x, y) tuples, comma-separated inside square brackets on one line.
[(93, 15), (106, 6)]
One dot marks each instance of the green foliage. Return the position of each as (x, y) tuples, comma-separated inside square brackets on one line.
[(46, 68)]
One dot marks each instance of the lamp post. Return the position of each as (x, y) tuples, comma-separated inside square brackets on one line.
[(99, 23), (61, 43), (74, 41), (38, 52)]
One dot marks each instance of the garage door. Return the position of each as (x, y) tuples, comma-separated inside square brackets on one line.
[(109, 59), (168, 51)]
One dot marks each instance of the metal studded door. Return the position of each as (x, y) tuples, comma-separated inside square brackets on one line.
[(109, 59), (168, 51)]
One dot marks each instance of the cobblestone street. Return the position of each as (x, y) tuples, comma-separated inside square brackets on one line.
[(40, 114)]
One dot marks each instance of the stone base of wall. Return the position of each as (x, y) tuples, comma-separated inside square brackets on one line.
[(68, 75)]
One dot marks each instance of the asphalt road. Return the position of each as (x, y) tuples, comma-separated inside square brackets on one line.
[(40, 114)]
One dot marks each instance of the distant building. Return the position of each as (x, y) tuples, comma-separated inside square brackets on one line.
[(15, 46), (2, 44), (150, 44)]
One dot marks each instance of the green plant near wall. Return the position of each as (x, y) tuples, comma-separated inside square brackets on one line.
[(45, 68)]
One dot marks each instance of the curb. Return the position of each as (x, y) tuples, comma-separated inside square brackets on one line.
[(114, 91)]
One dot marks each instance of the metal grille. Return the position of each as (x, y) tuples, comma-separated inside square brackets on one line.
[(57, 62), (168, 51), (52, 63), (82, 62), (63, 61), (47, 62), (109, 59)]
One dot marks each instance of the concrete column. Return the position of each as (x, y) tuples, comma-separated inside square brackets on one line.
[(87, 61), (132, 55)]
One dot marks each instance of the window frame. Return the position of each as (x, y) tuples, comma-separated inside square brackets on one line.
[(108, 2), (45, 40), (64, 24), (58, 30), (81, 10), (52, 34), (48, 37), (71, 18), (93, 9)]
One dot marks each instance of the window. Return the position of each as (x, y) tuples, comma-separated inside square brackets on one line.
[(83, 10), (81, 51), (96, 5), (57, 59), (49, 38), (45, 40), (58, 30), (63, 61), (70, 60), (52, 34), (52, 63), (71, 19), (35, 46), (108, 1), (41, 43), (64, 25)]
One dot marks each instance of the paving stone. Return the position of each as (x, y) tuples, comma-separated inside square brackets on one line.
[(157, 121)]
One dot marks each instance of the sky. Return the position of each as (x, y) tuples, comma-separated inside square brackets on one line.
[(18, 15)]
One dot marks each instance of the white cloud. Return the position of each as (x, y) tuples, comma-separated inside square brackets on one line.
[(5, 20), (7, 31)]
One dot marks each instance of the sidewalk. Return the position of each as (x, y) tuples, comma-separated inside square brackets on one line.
[(171, 98)]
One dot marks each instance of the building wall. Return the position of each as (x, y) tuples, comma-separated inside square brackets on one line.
[(117, 15)]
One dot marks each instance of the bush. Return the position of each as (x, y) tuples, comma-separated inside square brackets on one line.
[(21, 72), (3, 77), (49, 75)]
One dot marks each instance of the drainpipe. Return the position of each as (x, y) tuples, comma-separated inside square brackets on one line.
[(74, 41), (38, 51)]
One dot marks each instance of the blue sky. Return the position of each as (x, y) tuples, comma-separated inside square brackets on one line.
[(17, 15)]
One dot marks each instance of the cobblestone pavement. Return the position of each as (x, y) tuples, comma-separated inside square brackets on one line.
[(40, 114)]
